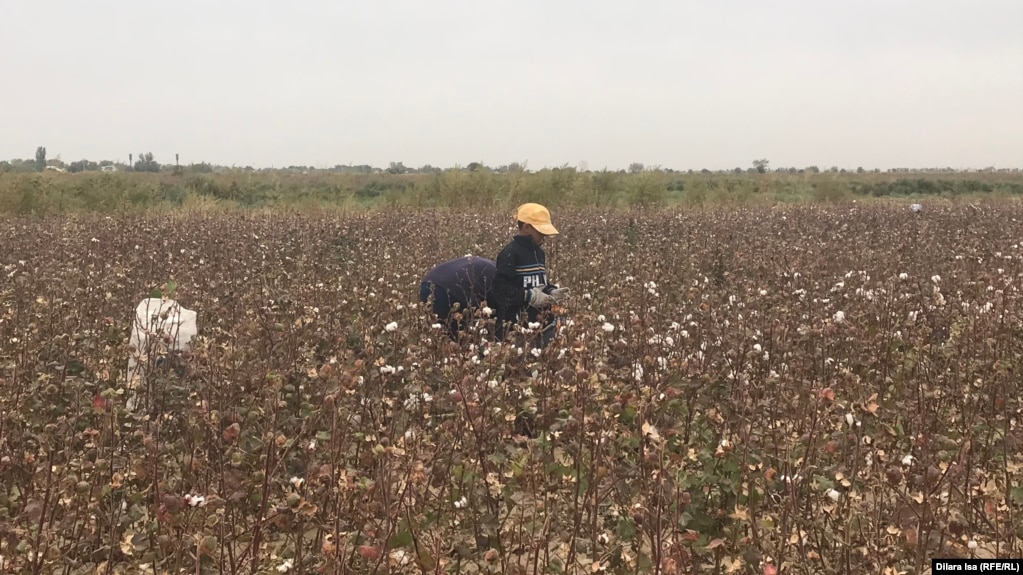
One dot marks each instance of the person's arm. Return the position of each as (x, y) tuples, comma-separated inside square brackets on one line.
[(507, 292)]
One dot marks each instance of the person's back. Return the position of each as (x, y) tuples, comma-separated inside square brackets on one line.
[(466, 281)]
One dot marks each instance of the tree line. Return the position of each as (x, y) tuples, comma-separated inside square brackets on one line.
[(146, 162)]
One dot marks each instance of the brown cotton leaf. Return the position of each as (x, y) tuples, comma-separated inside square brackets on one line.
[(741, 513), (909, 536), (714, 543), (231, 432)]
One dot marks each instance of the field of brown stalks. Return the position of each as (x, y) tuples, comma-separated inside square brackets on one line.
[(798, 390)]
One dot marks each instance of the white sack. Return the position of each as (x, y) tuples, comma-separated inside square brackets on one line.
[(161, 326)]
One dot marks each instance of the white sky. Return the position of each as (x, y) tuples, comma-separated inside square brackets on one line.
[(682, 84)]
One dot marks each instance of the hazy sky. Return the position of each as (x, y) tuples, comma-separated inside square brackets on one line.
[(682, 84)]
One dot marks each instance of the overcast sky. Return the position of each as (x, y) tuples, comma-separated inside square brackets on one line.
[(682, 84)]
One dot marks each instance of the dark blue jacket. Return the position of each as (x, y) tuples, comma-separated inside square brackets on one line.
[(467, 280)]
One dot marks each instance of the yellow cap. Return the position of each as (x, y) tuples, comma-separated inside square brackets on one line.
[(538, 217)]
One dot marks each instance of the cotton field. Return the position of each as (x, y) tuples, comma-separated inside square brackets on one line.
[(749, 390)]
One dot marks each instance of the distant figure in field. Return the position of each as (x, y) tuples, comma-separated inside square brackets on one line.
[(161, 330), (464, 282)]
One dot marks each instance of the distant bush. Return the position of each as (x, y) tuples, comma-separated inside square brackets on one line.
[(907, 187), (51, 192)]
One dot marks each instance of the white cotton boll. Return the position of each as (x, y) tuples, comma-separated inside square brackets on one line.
[(903, 276), (908, 460), (757, 348), (834, 495), (601, 318), (972, 544), (608, 327), (849, 419), (935, 278), (391, 326), (839, 316)]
